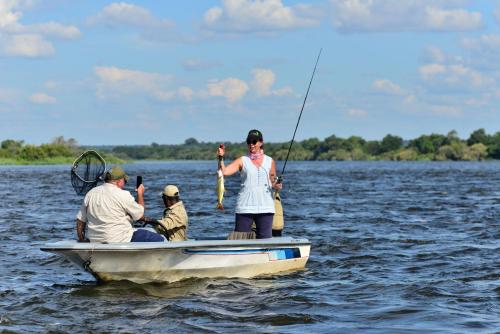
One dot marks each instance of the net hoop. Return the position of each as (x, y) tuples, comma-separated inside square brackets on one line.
[(87, 171)]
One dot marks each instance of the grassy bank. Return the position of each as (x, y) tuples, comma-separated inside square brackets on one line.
[(47, 161)]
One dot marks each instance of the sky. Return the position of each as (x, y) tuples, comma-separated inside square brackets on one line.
[(138, 72)]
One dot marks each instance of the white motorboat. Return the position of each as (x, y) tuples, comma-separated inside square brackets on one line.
[(144, 262)]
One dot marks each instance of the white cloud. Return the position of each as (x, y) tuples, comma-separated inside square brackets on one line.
[(446, 110), (185, 93), (482, 52), (435, 54), (7, 95), (42, 98), (116, 82), (409, 99), (56, 30), (478, 102), (26, 45), (264, 80), (7, 14), (408, 15), (452, 20), (496, 13), (249, 16), (427, 71), (485, 42), (51, 84), (387, 87), (198, 65), (232, 89), (17, 39), (113, 82), (282, 91), (125, 14), (454, 76), (357, 112)]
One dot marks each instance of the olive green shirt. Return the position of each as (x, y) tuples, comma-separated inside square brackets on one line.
[(174, 222), (278, 220)]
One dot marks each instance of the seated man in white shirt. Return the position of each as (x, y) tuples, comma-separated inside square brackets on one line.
[(108, 212)]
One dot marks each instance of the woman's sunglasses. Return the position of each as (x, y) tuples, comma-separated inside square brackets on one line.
[(253, 142)]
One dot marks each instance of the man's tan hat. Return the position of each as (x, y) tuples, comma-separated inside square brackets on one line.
[(170, 191)]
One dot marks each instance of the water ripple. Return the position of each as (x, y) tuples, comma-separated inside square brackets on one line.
[(396, 248)]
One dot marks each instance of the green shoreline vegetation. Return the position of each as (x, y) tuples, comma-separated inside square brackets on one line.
[(434, 147), (59, 151)]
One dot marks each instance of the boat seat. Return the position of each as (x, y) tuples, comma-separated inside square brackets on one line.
[(240, 235)]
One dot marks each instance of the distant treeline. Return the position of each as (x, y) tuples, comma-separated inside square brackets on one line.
[(59, 151), (479, 146)]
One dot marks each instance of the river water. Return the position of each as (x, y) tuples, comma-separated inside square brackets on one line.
[(396, 248)]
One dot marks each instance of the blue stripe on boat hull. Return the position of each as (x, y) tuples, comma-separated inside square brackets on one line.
[(274, 253)]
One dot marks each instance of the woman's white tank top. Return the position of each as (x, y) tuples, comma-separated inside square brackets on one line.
[(255, 195)]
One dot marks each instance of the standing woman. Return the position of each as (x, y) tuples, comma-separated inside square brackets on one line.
[(258, 179)]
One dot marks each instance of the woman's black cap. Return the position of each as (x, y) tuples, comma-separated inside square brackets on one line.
[(254, 135)]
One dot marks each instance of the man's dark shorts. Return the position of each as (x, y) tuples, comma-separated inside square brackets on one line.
[(141, 235)]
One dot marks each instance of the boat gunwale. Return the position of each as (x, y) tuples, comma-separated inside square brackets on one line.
[(148, 246)]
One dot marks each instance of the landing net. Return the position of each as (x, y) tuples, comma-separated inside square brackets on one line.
[(87, 171)]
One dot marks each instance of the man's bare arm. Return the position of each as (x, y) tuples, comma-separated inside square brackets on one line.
[(80, 230)]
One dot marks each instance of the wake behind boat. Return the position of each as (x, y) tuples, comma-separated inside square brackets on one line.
[(146, 262)]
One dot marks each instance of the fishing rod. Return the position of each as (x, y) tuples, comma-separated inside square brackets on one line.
[(300, 115)]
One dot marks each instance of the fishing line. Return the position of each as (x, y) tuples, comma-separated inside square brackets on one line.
[(300, 116)]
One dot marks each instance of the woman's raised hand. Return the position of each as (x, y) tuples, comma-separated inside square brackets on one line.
[(221, 150)]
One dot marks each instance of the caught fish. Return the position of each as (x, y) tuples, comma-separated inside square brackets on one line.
[(220, 182), (220, 189)]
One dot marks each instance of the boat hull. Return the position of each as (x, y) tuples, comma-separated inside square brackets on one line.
[(174, 261)]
